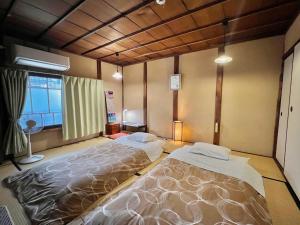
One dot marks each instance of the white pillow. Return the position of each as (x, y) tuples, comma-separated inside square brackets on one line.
[(142, 137), (214, 151)]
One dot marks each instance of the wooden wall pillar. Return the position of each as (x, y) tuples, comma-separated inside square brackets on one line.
[(218, 100), (99, 70), (122, 71), (145, 77), (175, 93), (99, 77)]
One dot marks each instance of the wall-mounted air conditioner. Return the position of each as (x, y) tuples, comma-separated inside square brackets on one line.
[(36, 58)]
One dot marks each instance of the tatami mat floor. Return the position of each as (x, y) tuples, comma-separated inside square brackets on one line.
[(266, 166), (282, 207)]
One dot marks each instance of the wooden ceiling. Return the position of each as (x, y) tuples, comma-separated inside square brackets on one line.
[(141, 30)]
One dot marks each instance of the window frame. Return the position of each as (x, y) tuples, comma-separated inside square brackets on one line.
[(46, 75)]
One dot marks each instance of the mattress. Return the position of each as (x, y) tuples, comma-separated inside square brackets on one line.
[(59, 190), (180, 191), (153, 149)]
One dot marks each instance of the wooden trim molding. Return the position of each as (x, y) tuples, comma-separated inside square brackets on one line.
[(175, 93), (145, 78), (218, 100), (284, 57), (99, 70), (290, 51), (278, 110)]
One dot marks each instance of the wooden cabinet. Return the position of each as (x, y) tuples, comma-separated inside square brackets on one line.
[(112, 128)]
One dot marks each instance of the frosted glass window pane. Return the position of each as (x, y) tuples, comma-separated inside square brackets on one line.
[(57, 118), (43, 101), (39, 98), (54, 83), (55, 100), (27, 106), (38, 81), (48, 119)]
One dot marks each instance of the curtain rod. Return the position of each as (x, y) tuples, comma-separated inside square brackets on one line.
[(30, 69), (43, 72)]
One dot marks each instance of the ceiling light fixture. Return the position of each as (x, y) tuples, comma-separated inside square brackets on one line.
[(117, 75), (160, 2), (223, 58)]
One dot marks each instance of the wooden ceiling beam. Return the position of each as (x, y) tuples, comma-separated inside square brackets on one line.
[(60, 19), (131, 10), (187, 13), (8, 11), (254, 37), (220, 36), (232, 19)]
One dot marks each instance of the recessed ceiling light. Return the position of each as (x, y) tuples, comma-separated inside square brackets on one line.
[(160, 2)]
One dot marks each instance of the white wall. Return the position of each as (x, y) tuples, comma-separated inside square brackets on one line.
[(197, 96), (134, 93), (160, 97), (250, 92), (111, 84)]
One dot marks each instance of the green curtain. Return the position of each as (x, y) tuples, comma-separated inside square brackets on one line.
[(84, 107), (13, 85), (3, 124)]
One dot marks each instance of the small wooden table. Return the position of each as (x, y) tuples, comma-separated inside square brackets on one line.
[(112, 128), (134, 127)]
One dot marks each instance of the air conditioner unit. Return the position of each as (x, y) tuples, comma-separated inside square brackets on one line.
[(36, 58)]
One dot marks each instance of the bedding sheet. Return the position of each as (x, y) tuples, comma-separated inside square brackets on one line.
[(178, 193), (58, 190), (153, 149), (234, 167)]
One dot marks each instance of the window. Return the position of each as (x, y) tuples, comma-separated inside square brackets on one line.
[(43, 100)]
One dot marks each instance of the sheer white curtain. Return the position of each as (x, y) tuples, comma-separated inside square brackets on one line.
[(84, 107)]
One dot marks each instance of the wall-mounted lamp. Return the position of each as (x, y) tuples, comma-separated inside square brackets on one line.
[(177, 130)]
